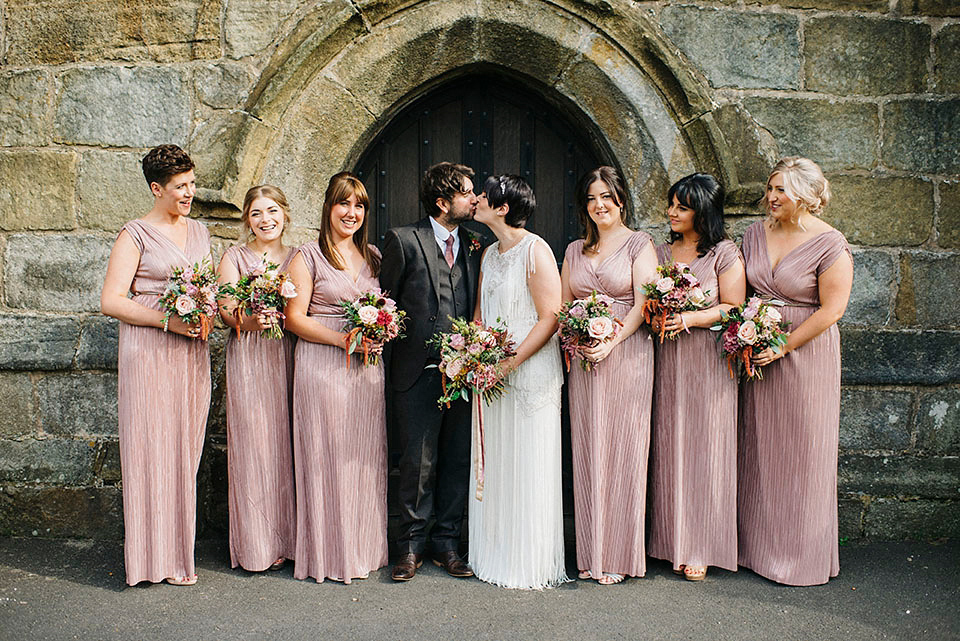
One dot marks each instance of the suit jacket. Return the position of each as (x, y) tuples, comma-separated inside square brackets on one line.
[(409, 272)]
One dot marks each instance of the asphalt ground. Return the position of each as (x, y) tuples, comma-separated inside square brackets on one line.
[(55, 589)]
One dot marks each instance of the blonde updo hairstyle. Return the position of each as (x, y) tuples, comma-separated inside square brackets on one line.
[(803, 183), (264, 191)]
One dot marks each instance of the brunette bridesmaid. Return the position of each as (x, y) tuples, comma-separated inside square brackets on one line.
[(693, 452), (789, 421), (163, 376), (339, 426), (610, 406), (259, 392)]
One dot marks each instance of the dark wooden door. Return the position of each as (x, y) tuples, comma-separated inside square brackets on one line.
[(494, 125)]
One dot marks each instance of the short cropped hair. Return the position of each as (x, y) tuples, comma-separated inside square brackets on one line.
[(443, 180), (516, 193), (163, 163)]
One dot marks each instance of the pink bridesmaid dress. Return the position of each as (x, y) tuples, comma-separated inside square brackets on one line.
[(610, 424), (789, 426), (163, 385), (340, 440), (261, 492), (693, 452)]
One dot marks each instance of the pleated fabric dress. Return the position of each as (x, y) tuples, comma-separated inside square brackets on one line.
[(610, 424), (261, 496), (693, 452), (789, 425), (516, 531), (340, 440), (163, 390)]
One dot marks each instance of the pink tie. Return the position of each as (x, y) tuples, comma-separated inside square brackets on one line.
[(449, 253)]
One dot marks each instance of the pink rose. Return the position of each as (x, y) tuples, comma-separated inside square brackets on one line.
[(368, 314), (187, 275), (185, 305), (457, 342), (664, 285), (453, 368), (600, 327), (771, 317), (577, 311), (191, 289), (474, 349), (288, 289), (747, 333)]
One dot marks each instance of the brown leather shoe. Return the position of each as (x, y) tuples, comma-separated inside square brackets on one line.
[(406, 568), (452, 563)]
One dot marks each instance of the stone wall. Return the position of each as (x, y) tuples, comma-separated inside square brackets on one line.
[(870, 89)]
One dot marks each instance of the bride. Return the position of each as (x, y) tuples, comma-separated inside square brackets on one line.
[(516, 529)]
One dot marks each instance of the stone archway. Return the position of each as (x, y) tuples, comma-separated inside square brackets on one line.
[(335, 82)]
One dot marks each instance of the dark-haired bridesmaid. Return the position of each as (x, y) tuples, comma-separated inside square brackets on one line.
[(790, 420), (339, 421), (694, 448), (261, 495)]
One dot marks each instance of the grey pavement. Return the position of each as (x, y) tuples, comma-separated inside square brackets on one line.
[(75, 590)]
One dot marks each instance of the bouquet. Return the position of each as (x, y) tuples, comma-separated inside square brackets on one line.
[(677, 290), (192, 294), (586, 322), (750, 328), (470, 358), (263, 290), (371, 318)]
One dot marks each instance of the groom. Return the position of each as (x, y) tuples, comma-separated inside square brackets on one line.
[(431, 269)]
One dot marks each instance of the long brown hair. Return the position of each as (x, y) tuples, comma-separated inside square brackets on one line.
[(340, 188), (609, 177)]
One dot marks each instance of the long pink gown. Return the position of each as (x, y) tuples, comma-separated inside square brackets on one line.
[(340, 443), (789, 426), (610, 424), (693, 451), (163, 389), (261, 496)]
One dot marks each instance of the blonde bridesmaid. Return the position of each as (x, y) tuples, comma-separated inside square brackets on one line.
[(163, 376), (789, 421), (261, 494), (339, 425), (693, 452), (610, 406)]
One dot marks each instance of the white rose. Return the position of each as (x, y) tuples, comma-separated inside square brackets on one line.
[(368, 314), (747, 333), (664, 285), (696, 297), (600, 327)]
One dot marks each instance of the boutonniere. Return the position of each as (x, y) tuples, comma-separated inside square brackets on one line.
[(473, 243)]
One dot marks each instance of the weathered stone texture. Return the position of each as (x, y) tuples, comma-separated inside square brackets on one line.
[(932, 7), (752, 147), (931, 477), (90, 513), (59, 31), (872, 357), (949, 226), (213, 144), (54, 460), (37, 190), (23, 108), (224, 85), (881, 6), (896, 520), (847, 55), (98, 343), (938, 421), (876, 210), (107, 465), (55, 273), (873, 419), (251, 25), (837, 135), (922, 135), (930, 273), (123, 106), (29, 342), (737, 49), (871, 298), (850, 518), (18, 415), (112, 189), (947, 61), (78, 404)]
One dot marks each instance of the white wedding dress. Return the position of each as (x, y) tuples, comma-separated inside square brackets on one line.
[(516, 530)]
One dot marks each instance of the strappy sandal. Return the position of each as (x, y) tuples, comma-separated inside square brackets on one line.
[(679, 570), (695, 573), (610, 578), (181, 580), (279, 563), (585, 574)]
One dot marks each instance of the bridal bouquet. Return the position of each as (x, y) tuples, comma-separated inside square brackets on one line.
[(192, 294), (677, 290), (470, 357), (372, 320), (750, 328), (586, 322), (263, 290)]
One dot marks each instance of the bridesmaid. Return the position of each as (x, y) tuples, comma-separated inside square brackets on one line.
[(339, 425), (694, 443), (610, 406), (789, 421), (259, 391), (163, 376)]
